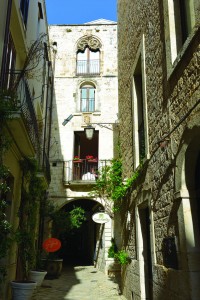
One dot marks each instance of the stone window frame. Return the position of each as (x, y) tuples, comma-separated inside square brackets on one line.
[(87, 86), (82, 84), (175, 48), (140, 55)]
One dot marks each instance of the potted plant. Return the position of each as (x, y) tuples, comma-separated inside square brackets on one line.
[(91, 158), (25, 236), (38, 272), (23, 288), (120, 257), (77, 159)]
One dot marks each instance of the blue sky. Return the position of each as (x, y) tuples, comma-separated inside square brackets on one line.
[(80, 11)]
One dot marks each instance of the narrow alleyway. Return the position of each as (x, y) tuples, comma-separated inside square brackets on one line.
[(79, 283)]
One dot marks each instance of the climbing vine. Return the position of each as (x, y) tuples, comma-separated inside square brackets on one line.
[(111, 187), (33, 192), (8, 101)]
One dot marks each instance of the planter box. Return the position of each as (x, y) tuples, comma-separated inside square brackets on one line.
[(53, 267)]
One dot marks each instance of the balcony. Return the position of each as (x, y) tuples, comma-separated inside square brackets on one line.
[(82, 171), (88, 67), (23, 127)]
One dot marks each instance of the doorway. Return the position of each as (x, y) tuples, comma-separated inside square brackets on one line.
[(79, 244), (145, 253), (84, 147)]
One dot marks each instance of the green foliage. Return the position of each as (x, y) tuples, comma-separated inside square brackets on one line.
[(32, 197), (5, 226), (113, 249), (24, 239), (77, 217), (64, 222), (110, 185), (122, 257), (8, 104)]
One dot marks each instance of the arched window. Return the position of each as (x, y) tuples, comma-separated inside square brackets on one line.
[(88, 56), (87, 103), (88, 62)]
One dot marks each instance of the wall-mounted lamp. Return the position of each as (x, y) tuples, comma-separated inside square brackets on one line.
[(89, 129), (89, 132), (67, 120)]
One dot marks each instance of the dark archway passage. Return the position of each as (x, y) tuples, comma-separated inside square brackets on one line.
[(78, 246)]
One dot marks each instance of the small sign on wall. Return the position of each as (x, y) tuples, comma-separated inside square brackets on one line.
[(51, 245), (101, 218)]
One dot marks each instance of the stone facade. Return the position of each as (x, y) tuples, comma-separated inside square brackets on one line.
[(79, 47), (26, 132), (163, 238)]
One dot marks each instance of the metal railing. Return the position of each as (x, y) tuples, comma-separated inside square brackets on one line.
[(27, 111), (87, 104), (88, 67), (83, 169)]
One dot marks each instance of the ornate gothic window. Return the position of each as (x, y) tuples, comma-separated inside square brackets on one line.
[(88, 56)]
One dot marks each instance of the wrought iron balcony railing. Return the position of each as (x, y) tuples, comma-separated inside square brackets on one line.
[(88, 67), (87, 104), (83, 170), (27, 113)]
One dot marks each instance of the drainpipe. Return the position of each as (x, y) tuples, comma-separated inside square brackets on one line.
[(6, 40), (52, 90), (47, 104)]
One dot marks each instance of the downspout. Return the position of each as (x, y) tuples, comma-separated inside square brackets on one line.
[(51, 103), (50, 115), (6, 40), (47, 103)]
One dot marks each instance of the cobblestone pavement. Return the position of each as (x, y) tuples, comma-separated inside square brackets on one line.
[(79, 283)]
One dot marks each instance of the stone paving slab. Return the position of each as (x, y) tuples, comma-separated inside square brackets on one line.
[(79, 283)]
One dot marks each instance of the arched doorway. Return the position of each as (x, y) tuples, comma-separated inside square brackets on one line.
[(188, 193), (78, 246)]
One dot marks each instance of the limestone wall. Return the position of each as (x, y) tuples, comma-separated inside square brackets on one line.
[(171, 92)]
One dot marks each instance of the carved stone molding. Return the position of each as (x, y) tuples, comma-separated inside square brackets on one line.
[(90, 41)]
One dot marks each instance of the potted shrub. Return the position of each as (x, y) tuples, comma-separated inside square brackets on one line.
[(38, 272), (25, 236), (120, 257), (22, 288), (77, 159)]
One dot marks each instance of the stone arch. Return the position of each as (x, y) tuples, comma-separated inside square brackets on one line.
[(85, 243), (187, 195), (189, 147), (88, 40)]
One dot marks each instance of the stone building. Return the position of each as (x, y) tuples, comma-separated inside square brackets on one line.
[(159, 113), (25, 95), (86, 88)]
